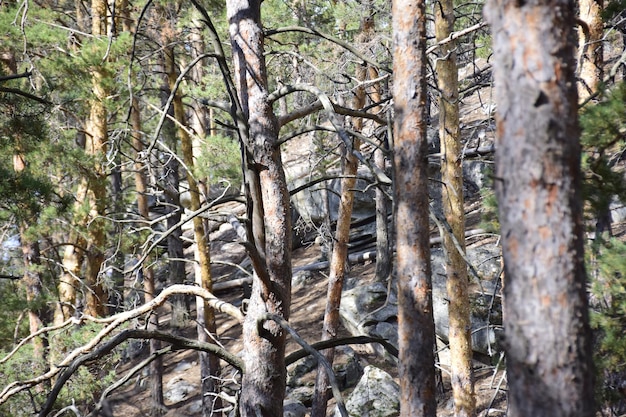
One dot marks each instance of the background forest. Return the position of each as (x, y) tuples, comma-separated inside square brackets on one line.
[(167, 166)]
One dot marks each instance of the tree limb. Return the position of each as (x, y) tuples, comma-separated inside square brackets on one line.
[(343, 44), (24, 94), (178, 343), (355, 340), (114, 322), (4, 78)]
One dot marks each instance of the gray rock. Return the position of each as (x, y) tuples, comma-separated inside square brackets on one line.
[(361, 311), (376, 395), (293, 408), (303, 394), (178, 389)]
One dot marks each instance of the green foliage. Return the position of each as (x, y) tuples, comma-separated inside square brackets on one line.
[(608, 316), (87, 382), (603, 139), (220, 161)]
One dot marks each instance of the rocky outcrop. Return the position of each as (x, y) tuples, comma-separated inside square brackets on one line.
[(370, 310), (376, 395)]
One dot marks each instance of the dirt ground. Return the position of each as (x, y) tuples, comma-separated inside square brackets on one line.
[(308, 303)]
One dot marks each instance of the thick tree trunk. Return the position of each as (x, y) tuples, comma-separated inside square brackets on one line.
[(460, 340), (538, 178), (263, 384), (416, 332)]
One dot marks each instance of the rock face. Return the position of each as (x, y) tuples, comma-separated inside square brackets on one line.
[(179, 389), (364, 310), (376, 395), (312, 207)]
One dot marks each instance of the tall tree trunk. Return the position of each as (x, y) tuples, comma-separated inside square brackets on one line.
[(460, 340), (209, 364), (548, 343), (339, 257), (177, 274), (96, 189), (416, 329), (31, 281), (590, 49), (263, 383), (156, 366)]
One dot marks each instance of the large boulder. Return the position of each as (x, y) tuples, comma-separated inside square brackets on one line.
[(370, 310), (376, 395)]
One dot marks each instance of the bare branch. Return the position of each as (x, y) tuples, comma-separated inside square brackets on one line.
[(349, 47), (24, 94), (354, 340), (456, 35), (4, 78), (331, 110), (114, 322), (178, 343)]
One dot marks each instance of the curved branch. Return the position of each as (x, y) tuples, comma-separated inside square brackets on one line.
[(24, 94), (114, 322), (354, 340), (178, 343)]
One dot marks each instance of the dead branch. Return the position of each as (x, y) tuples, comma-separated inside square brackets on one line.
[(15, 76), (178, 343), (114, 322), (456, 35), (24, 94), (355, 340), (343, 44)]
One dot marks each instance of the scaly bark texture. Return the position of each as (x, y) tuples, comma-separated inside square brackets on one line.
[(416, 333), (459, 334), (95, 185), (263, 383), (548, 343), (590, 50)]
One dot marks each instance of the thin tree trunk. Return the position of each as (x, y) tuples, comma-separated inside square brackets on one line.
[(156, 366), (175, 251), (459, 335), (209, 364), (338, 263), (538, 183), (96, 190), (590, 48), (263, 383), (31, 280), (416, 329)]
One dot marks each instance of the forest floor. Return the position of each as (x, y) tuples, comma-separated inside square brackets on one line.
[(308, 302)]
